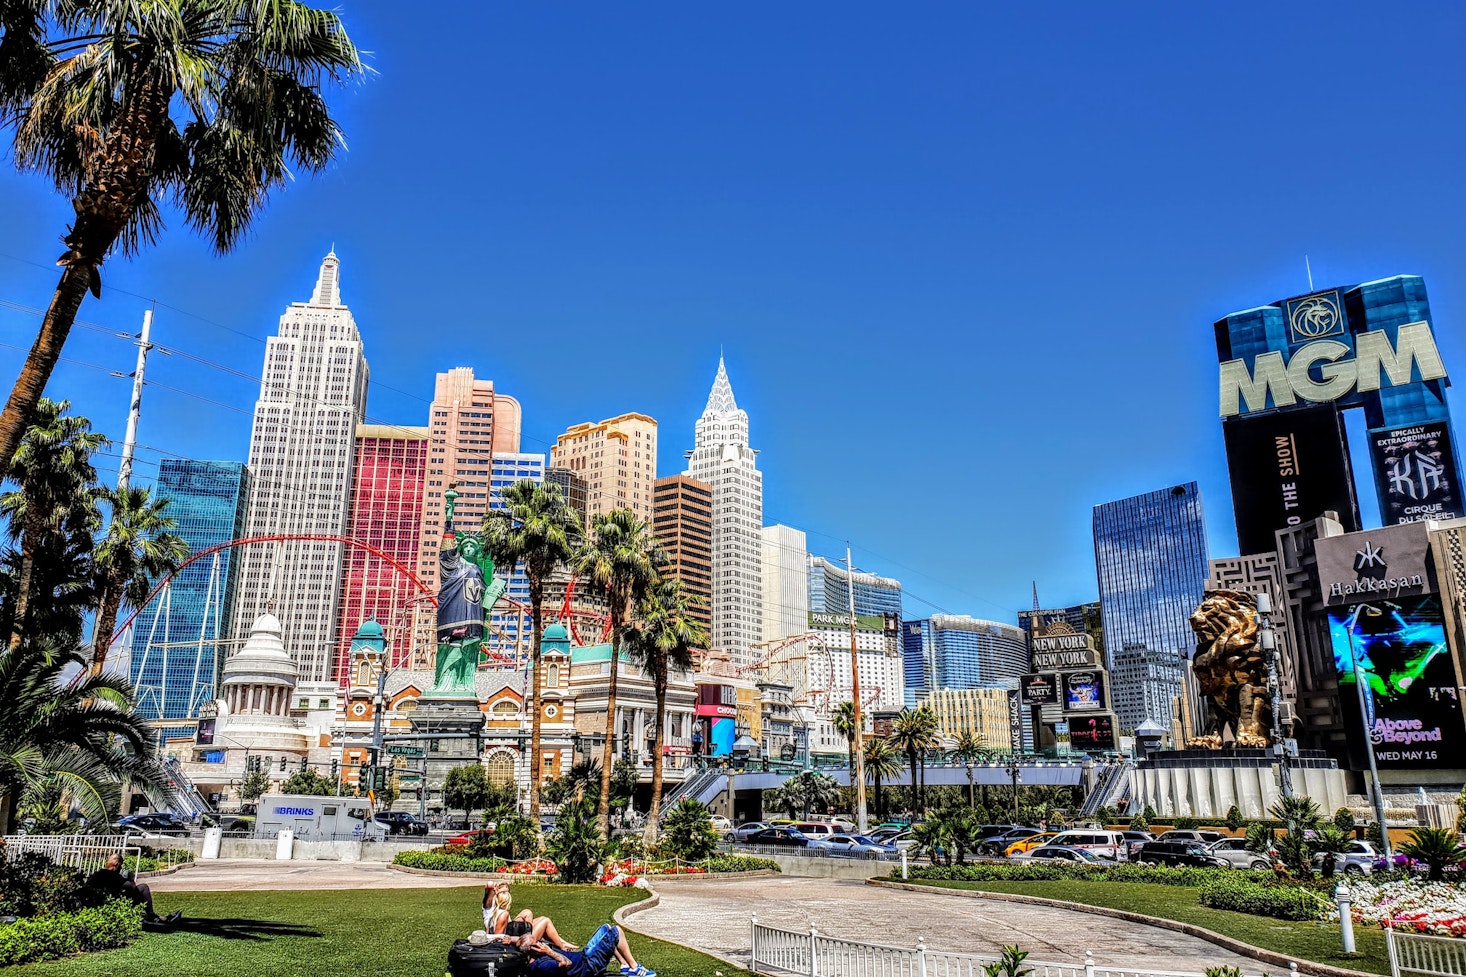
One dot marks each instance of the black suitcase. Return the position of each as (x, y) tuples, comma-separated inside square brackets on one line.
[(467, 960)]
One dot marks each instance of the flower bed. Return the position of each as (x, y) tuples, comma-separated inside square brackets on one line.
[(534, 866), (1434, 908)]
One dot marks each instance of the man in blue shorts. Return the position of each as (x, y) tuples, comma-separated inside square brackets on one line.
[(591, 960)]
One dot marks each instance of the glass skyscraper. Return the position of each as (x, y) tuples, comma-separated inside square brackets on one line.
[(175, 647), (1150, 558), (954, 651), (829, 591)]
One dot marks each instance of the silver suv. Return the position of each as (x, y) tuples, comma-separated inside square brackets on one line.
[(1234, 852)]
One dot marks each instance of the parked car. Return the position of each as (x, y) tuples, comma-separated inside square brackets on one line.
[(1358, 860), (853, 846), (1187, 834), (998, 843), (1178, 853), (1234, 852), (153, 825), (467, 836), (814, 830), (745, 829), (1134, 839), (721, 823), (1105, 844), (782, 837), (1060, 853), (904, 840), (1024, 845), (402, 823)]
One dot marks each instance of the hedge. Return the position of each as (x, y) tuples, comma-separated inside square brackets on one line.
[(114, 924), (437, 861), (739, 863), (1061, 871), (1246, 895)]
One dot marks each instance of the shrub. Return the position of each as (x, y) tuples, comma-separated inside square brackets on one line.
[(1069, 871), (1140, 823), (1149, 814), (689, 831), (576, 844), (740, 863), (114, 924), (1234, 820), (1436, 847), (1245, 895), (516, 837), (1010, 964), (1186, 824), (438, 860), (1344, 820), (1223, 972), (30, 885)]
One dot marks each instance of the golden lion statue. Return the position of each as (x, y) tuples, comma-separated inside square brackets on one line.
[(1230, 670)]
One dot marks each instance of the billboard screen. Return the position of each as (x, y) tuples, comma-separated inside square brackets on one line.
[(1015, 721), (1288, 468), (1084, 691), (1415, 471), (205, 734), (1039, 690), (1092, 732), (1411, 704)]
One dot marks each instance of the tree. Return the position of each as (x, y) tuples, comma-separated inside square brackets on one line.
[(619, 563), (466, 788), (576, 845), (208, 104), (882, 760), (81, 733), (969, 751), (662, 644), (136, 549), (1300, 817), (915, 732), (807, 790), (690, 832), (1437, 848), (1329, 841), (254, 784), (1234, 818), (308, 782), (843, 720), (538, 531), (53, 502)]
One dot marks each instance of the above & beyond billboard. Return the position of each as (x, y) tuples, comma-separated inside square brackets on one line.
[(1411, 703)]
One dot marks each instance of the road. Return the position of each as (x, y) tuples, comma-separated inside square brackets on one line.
[(714, 915)]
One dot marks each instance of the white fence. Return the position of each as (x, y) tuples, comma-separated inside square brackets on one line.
[(85, 852), (780, 952), (1433, 956)]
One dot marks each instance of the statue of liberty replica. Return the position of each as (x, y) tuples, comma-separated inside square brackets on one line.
[(467, 592)]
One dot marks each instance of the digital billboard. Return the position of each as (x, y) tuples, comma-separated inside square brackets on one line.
[(1415, 472), (1288, 468), (1015, 721), (1084, 691), (1039, 690), (1092, 732), (1411, 704)]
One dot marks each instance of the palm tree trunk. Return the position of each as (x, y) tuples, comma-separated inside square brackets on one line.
[(915, 804), (971, 789), (106, 621), (608, 754), (660, 679), (536, 773), (28, 544), (20, 408)]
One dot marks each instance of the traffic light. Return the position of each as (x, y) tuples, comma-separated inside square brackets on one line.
[(335, 769), (282, 764), (379, 780), (364, 779), (304, 765)]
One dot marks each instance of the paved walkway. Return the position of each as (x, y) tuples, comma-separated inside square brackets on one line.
[(714, 915)]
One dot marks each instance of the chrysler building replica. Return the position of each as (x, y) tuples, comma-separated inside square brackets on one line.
[(722, 458), (312, 397)]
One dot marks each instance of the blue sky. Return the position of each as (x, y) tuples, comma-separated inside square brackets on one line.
[(963, 259)]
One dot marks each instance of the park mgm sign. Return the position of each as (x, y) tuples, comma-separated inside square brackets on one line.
[(1067, 690)]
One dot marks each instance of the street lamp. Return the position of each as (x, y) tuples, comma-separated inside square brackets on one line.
[(1267, 641), (1354, 665), (1013, 771)]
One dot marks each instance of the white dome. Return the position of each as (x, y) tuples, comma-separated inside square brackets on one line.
[(263, 657)]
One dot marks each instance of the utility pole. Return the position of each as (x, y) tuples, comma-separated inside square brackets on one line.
[(1267, 639), (858, 774), (129, 440), (1359, 680), (378, 703)]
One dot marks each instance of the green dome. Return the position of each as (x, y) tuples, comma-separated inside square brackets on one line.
[(556, 632), (370, 629)]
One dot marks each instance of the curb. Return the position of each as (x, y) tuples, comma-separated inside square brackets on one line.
[(163, 871), (651, 902), (1190, 929)]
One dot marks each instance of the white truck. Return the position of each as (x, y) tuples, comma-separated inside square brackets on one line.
[(314, 818)]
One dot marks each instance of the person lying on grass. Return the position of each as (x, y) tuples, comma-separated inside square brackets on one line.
[(606, 942)]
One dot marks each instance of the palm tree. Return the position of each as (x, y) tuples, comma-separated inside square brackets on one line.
[(1437, 848), (843, 719), (81, 733), (208, 104), (136, 550), (537, 530), (915, 731), (968, 751), (663, 644), (619, 563), (53, 498), (882, 760)]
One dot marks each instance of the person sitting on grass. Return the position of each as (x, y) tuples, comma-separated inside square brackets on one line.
[(498, 922), (108, 882), (606, 942)]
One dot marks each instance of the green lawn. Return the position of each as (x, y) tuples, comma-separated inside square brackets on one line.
[(1319, 942), (352, 933)]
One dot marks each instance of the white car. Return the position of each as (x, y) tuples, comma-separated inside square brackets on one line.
[(721, 823)]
